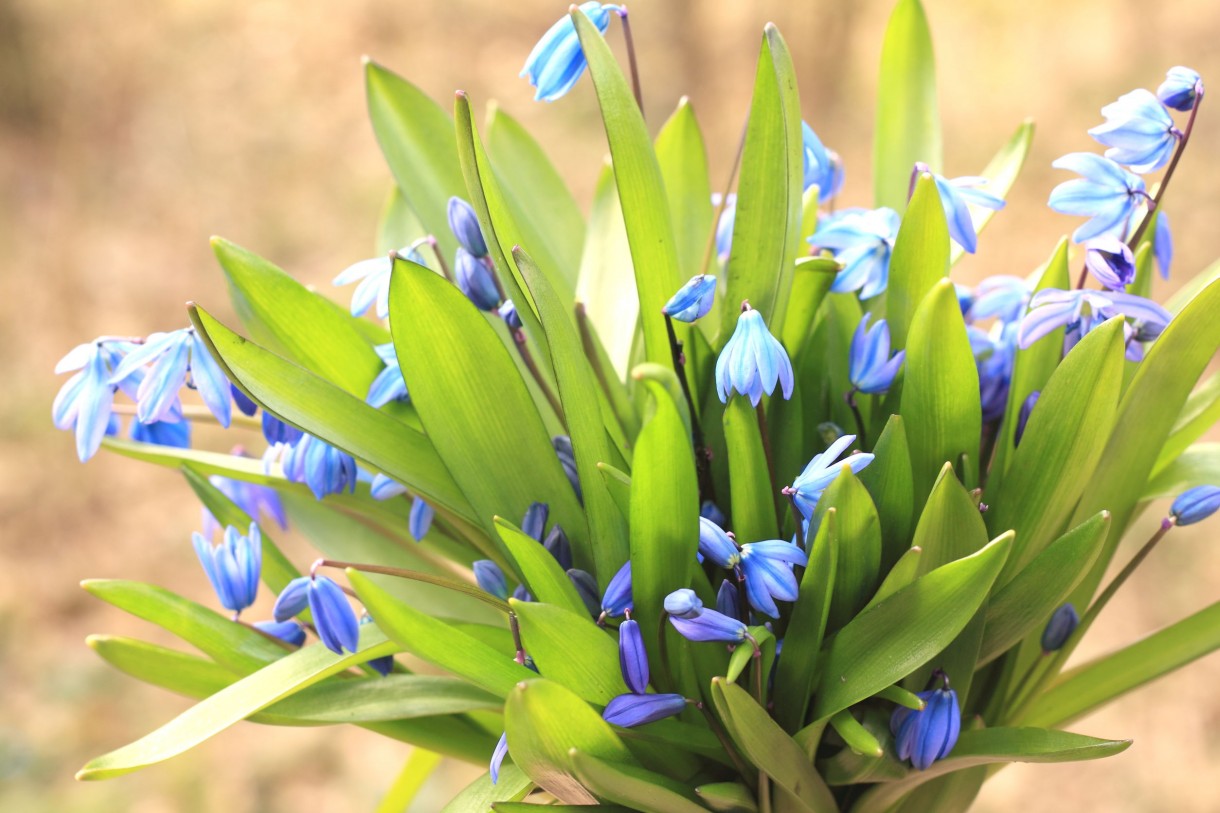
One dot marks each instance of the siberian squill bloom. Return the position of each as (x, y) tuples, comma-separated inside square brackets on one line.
[(709, 510), (534, 522), (1002, 296), (617, 598), (863, 241), (1182, 86), (586, 588), (277, 432), (288, 631), (632, 658), (995, 354), (871, 369), (1105, 193), (567, 458), (1061, 626), (174, 356), (728, 600), (1139, 132), (497, 757), (389, 384), (325, 469), (928, 735), (682, 602), (508, 312), (373, 275), (717, 546), (693, 300), (243, 402), (1195, 505), (557, 61), (724, 226), (823, 167), (257, 501), (558, 545), (753, 361), (1110, 261), (1082, 310), (384, 488), (630, 710), (709, 625), (383, 665), (1027, 409), (420, 520), (464, 224), (1162, 243), (490, 578), (767, 567), (822, 470), (956, 196), (475, 280), (233, 566), (163, 433), (333, 616)]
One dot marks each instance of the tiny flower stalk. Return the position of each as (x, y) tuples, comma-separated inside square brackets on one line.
[(703, 468), (414, 575)]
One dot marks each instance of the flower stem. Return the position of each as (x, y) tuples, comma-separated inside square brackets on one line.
[(796, 516), (703, 459), (1173, 165), (631, 63), (415, 575), (532, 366), (861, 434)]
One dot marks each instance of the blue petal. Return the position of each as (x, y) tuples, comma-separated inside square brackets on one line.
[(628, 710), (210, 381), (633, 659), (333, 616), (420, 519)]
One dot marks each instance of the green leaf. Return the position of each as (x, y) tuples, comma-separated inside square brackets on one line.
[(908, 118), (1182, 297), (570, 649), (546, 723), (904, 571), (481, 795), (888, 479), (772, 751), (179, 672), (416, 137), (374, 699), (1197, 466), (682, 156), (940, 394), (1200, 413), (859, 545), (919, 261), (618, 484), (810, 283), (884, 644), (639, 789), (546, 580), (856, 736), (727, 797), (606, 287), (751, 489), (767, 225), (641, 189), (1026, 603), (477, 410), (1001, 174), (397, 224), (1091, 685), (234, 703)]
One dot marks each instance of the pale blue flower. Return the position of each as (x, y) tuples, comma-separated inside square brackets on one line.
[(385, 488), (724, 226), (374, 277), (956, 197), (1110, 261), (333, 616), (995, 353), (1182, 86), (475, 280), (1162, 244), (862, 241), (823, 167), (1195, 505), (1105, 193), (717, 546), (288, 631), (508, 312), (767, 567), (1139, 132), (233, 567), (464, 224), (257, 501), (871, 369), (420, 520), (1002, 296), (497, 757), (173, 357), (822, 470), (389, 384), (85, 402), (683, 602), (1083, 310), (753, 362), (325, 469), (557, 61), (693, 300), (709, 625)]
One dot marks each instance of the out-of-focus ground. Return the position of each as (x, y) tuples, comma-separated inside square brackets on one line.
[(131, 130)]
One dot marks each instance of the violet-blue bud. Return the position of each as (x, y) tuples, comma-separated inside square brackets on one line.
[(464, 224), (717, 545), (709, 625), (617, 598), (1195, 505), (709, 510), (693, 300), (534, 522), (683, 603), (233, 567), (420, 520), (333, 616), (383, 665), (632, 657), (557, 545), (1110, 261), (497, 757), (1180, 89), (728, 600), (508, 312), (928, 735), (1027, 408), (288, 631), (490, 578), (630, 710), (292, 599), (586, 588), (475, 280), (1061, 626)]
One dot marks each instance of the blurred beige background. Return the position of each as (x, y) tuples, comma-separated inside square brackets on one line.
[(131, 130)]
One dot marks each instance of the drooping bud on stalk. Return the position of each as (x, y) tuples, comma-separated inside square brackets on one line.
[(728, 600), (464, 224), (534, 522), (489, 577), (1195, 505), (632, 657), (420, 520), (926, 736), (333, 616), (617, 599), (292, 599), (1180, 89), (586, 588), (1061, 626), (693, 300), (717, 545), (557, 545), (1111, 262), (683, 603), (474, 279), (288, 631), (629, 710)]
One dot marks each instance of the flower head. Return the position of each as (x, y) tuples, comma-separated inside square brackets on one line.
[(872, 370), (632, 657), (464, 224), (163, 433), (333, 616), (389, 384), (233, 567), (86, 400), (823, 167), (384, 488), (1061, 626), (557, 61), (288, 631), (1195, 505), (822, 470), (490, 578), (630, 710), (717, 546), (724, 226), (1002, 296), (683, 602), (1080, 311), (475, 280), (497, 757), (928, 735), (995, 355), (617, 598), (709, 625), (374, 277), (1138, 130), (956, 197), (325, 469), (862, 241), (1181, 88), (292, 599), (1110, 262), (257, 501), (753, 361), (420, 519), (693, 300), (1105, 193), (767, 567)]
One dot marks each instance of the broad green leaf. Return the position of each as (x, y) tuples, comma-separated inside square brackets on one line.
[(1001, 174), (1080, 690), (858, 565), (727, 797), (908, 118), (641, 189), (397, 225), (1182, 297), (1026, 603), (640, 789), (303, 399), (855, 735), (606, 288), (546, 580), (416, 137), (888, 479), (904, 571), (682, 157), (481, 795), (751, 489), (374, 699), (987, 746), (950, 527), (884, 644), (1200, 413), (940, 394), (437, 642), (570, 649), (848, 767), (406, 786), (919, 261), (478, 411), (280, 312), (766, 228), (772, 751), (546, 723), (234, 703), (811, 282), (1197, 466), (618, 484), (179, 672), (1064, 439), (743, 656), (951, 793)]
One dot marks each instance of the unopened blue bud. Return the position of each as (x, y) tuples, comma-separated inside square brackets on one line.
[(292, 599), (683, 603), (1027, 408), (244, 404), (489, 577), (728, 600), (617, 598), (693, 300), (233, 567), (717, 545), (558, 61), (1111, 262), (497, 757), (420, 520), (709, 510), (586, 588), (1195, 505), (1061, 626), (557, 545), (464, 224), (508, 312), (629, 710), (475, 280), (288, 631), (324, 468), (383, 488), (926, 736), (1180, 89), (522, 594), (534, 522), (175, 434), (632, 657), (333, 616), (383, 665), (276, 431), (567, 458), (710, 625)]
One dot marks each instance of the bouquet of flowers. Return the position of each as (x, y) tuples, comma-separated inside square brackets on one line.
[(727, 502)]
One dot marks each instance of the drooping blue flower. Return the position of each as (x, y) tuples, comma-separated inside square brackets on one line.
[(1110, 261), (534, 522), (520, 593), (586, 588), (724, 225), (617, 598), (1195, 505), (1081, 311), (1162, 244), (995, 355), (693, 300), (1139, 132), (374, 277), (163, 433), (292, 599), (276, 431), (85, 401), (717, 546), (1105, 193), (822, 470), (288, 631), (558, 545), (632, 657), (475, 280), (965, 299), (243, 402), (383, 665), (233, 567), (490, 578), (557, 61), (325, 469), (709, 625), (420, 519), (1182, 86), (823, 167), (497, 757), (767, 567), (508, 312), (728, 600), (464, 224), (872, 370), (1002, 296), (753, 362), (333, 616), (567, 458), (956, 196), (928, 735), (1027, 409), (257, 501), (683, 603), (384, 488), (389, 384), (630, 710), (709, 510), (863, 241), (173, 357), (1061, 626)]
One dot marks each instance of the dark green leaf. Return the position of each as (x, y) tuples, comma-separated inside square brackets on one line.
[(546, 580), (570, 649), (636, 787)]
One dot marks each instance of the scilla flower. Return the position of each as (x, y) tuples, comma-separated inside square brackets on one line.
[(717, 546), (871, 369), (490, 578), (632, 658), (617, 598), (710, 625), (630, 710), (1002, 296), (863, 241), (174, 356), (288, 631), (464, 224), (821, 471), (1105, 193), (693, 300), (276, 431), (257, 501), (682, 602), (1027, 409), (767, 567), (374, 277), (1052, 308), (956, 196), (926, 736), (823, 167), (333, 616), (389, 384), (753, 361), (1139, 132), (724, 226), (384, 488), (233, 567), (1061, 626), (557, 61), (475, 280), (420, 520), (497, 757), (163, 433), (325, 469), (1111, 262), (1182, 86), (1195, 505)]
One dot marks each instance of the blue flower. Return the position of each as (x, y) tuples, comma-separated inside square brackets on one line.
[(863, 241), (928, 735), (1139, 132), (1110, 261), (490, 578), (233, 567), (693, 300), (1061, 626), (276, 431), (1027, 409), (475, 280), (632, 658), (389, 384), (374, 277), (709, 510), (420, 519), (163, 433), (630, 710), (709, 625), (557, 545), (288, 631), (383, 665), (956, 196), (333, 616), (464, 224), (617, 598), (995, 355), (325, 469), (567, 458), (683, 602), (1195, 505), (1081, 311), (557, 61), (521, 594), (257, 501), (534, 522), (716, 545), (1002, 296), (768, 573), (508, 312), (753, 361), (1105, 193), (292, 599), (383, 488), (822, 470), (728, 600), (871, 368), (823, 167), (244, 404), (1182, 86), (173, 356), (724, 226), (586, 588), (497, 757), (1162, 244)]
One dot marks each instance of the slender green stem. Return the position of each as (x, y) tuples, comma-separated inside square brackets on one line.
[(1173, 165), (764, 793), (415, 575), (703, 460), (861, 434), (531, 365), (710, 246), (631, 63)]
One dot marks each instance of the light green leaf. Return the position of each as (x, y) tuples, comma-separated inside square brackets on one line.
[(1001, 174), (179, 672), (904, 571), (606, 288), (751, 489), (618, 484), (888, 479), (397, 225), (640, 789), (682, 157), (727, 797), (920, 258), (546, 580), (481, 795), (859, 545), (1200, 413), (950, 527), (374, 699), (810, 283), (570, 649)]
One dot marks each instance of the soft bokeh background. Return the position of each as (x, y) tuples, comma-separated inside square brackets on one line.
[(131, 130)]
